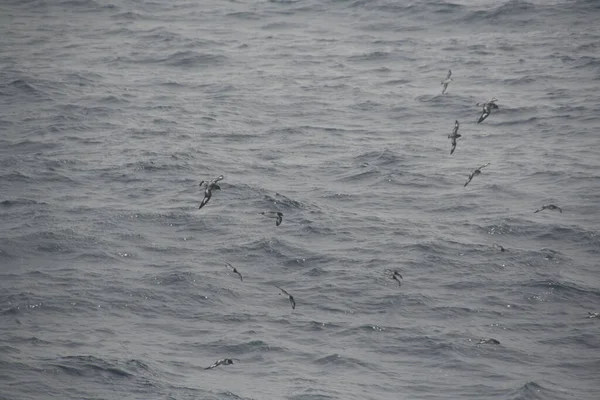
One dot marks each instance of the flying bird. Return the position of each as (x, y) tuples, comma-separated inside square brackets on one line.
[(454, 136), (274, 214), (292, 301), (475, 173), (234, 270), (488, 106), (499, 247), (549, 207), (395, 276), (223, 361), (446, 81), (208, 188)]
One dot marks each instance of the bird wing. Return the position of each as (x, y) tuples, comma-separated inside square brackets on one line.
[(293, 302), (282, 290), (218, 178), (449, 74), (205, 200), (484, 115), (483, 166), (469, 179)]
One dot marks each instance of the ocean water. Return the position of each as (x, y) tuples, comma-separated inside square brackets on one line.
[(113, 283)]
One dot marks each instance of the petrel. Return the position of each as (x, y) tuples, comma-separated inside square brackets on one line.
[(224, 361), (499, 247), (235, 271), (489, 341), (395, 276), (446, 81), (292, 301), (593, 314), (549, 207), (274, 214), (455, 135), (209, 186), (475, 173), (487, 108)]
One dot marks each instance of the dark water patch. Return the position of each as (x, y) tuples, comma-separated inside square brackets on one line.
[(189, 59), (371, 56), (245, 15), (283, 201), (531, 391), (20, 202), (512, 11), (337, 360), (88, 366), (253, 346), (129, 16)]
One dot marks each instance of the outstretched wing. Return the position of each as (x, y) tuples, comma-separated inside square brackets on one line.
[(484, 115), (469, 179), (283, 291), (453, 146), (449, 74), (205, 200), (483, 166)]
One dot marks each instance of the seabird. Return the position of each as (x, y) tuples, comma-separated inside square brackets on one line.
[(274, 214), (209, 187), (455, 135), (475, 173), (224, 361), (499, 247), (549, 207), (446, 81), (395, 276), (593, 314), (292, 301), (487, 108), (235, 271), (489, 341)]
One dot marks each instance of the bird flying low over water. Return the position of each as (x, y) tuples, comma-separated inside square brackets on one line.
[(487, 108), (208, 188), (549, 207), (475, 173), (395, 276), (223, 361), (446, 81), (274, 214), (234, 270), (454, 136), (292, 301)]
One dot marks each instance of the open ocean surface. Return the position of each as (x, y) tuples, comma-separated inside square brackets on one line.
[(113, 283)]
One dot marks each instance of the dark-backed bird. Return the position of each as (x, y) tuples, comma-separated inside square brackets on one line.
[(395, 276), (274, 214), (488, 106), (234, 270), (549, 207), (292, 301), (209, 187), (454, 136), (446, 81), (475, 173), (223, 361)]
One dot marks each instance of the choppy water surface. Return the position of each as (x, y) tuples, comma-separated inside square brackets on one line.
[(113, 283)]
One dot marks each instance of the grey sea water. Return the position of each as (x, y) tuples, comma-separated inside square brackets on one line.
[(113, 284)]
